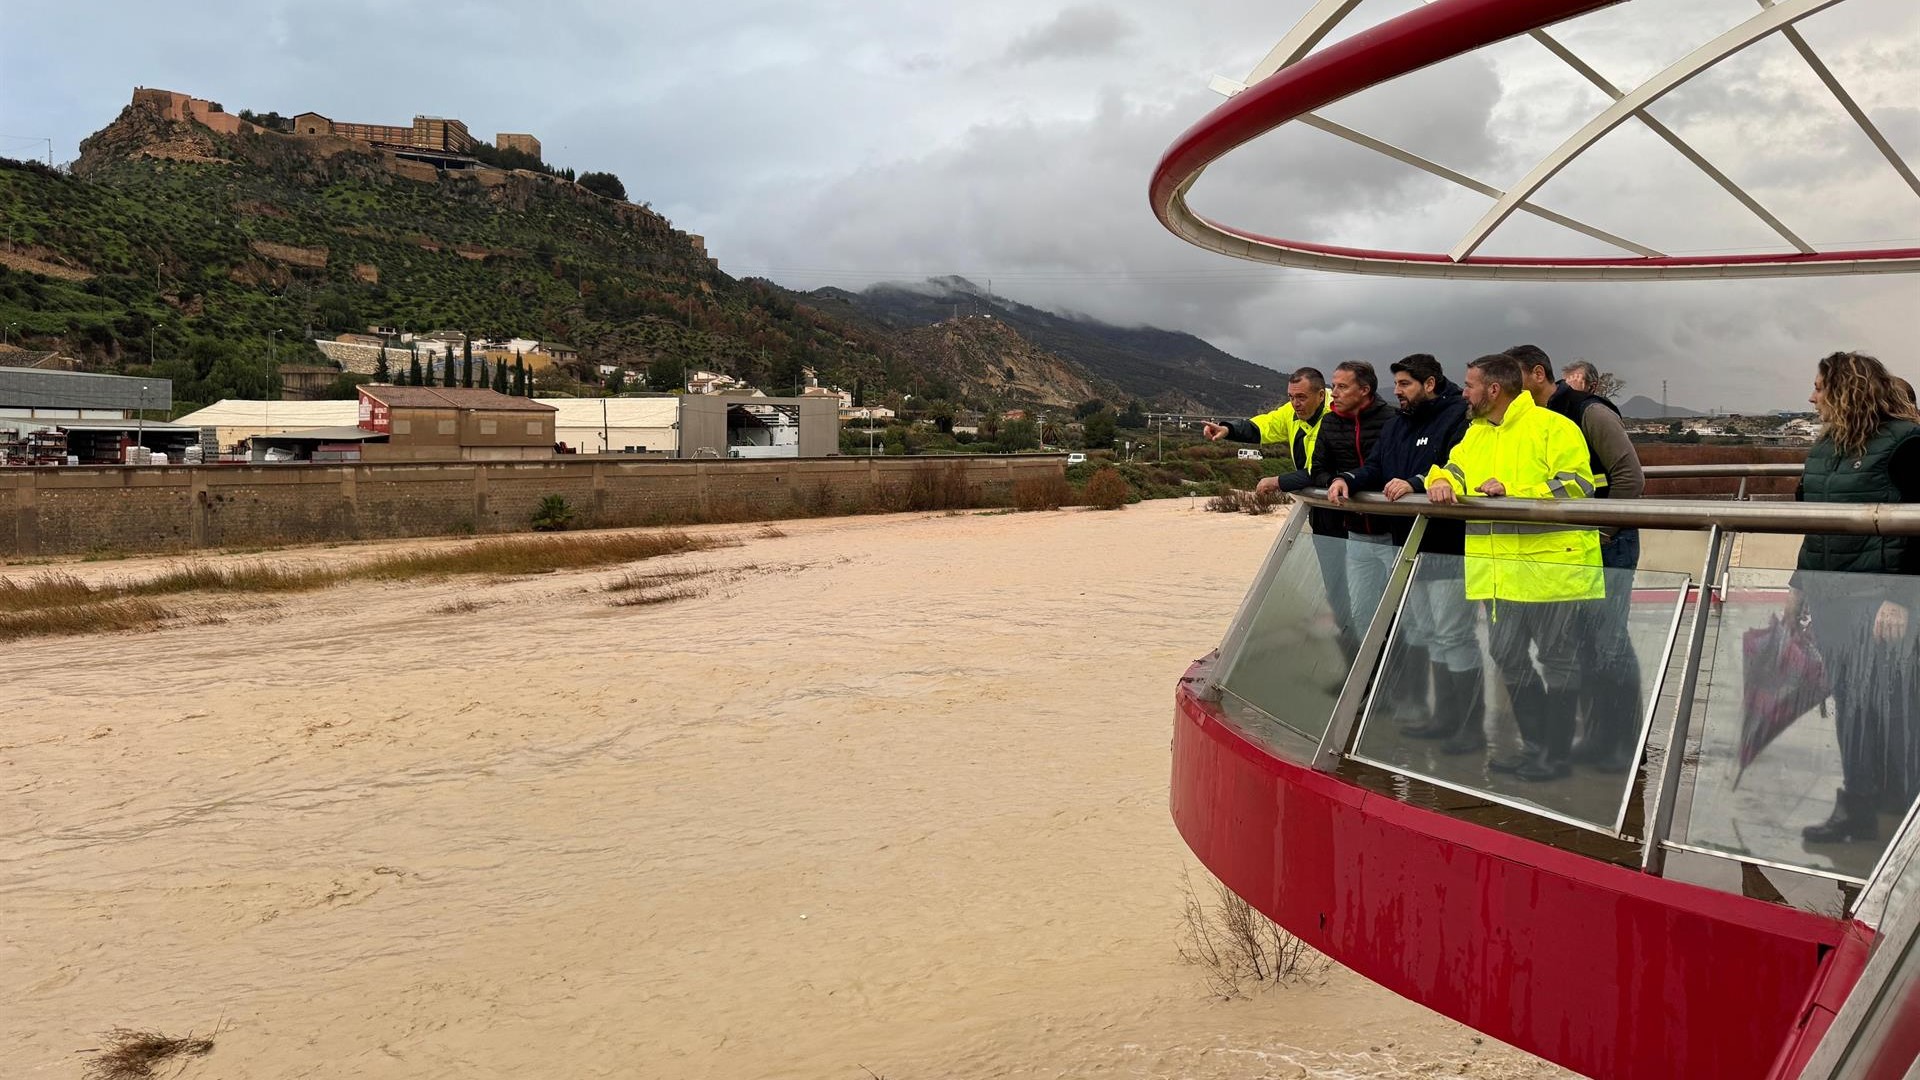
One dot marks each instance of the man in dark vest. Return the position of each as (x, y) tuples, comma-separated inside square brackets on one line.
[(1438, 643), (1347, 438), (1610, 690)]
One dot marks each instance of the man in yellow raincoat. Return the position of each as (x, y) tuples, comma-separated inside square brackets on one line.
[(1536, 578)]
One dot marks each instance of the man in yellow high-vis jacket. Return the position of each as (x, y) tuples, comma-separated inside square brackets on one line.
[(1297, 426), (1536, 578)]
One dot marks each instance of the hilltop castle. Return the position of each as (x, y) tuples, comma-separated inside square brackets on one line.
[(431, 134)]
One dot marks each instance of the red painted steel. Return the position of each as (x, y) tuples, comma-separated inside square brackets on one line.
[(1420, 38), (1838, 977), (1596, 967)]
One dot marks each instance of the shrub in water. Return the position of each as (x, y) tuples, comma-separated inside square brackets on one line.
[(1108, 490)]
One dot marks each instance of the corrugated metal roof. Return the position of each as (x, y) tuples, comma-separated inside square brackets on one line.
[(620, 412), (35, 387), (240, 412), (435, 397), (635, 412)]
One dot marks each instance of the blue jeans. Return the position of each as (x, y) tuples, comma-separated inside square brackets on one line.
[(1441, 618), (1370, 559), (1611, 689), (1611, 645), (1622, 552)]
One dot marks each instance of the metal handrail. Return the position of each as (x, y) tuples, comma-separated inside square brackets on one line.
[(1720, 472), (1857, 519)]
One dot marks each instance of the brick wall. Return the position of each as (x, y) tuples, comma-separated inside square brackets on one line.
[(1653, 453), (74, 511)]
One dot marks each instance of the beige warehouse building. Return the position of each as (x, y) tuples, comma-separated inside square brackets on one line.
[(586, 425)]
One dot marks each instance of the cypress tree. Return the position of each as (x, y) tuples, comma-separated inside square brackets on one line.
[(413, 371), (382, 371), (500, 375), (519, 377), (429, 369), (466, 365)]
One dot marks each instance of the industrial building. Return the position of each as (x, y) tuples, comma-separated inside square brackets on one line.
[(427, 423), (729, 425), (663, 425), (97, 417)]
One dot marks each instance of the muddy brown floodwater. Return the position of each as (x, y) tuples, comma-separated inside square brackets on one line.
[(890, 796)]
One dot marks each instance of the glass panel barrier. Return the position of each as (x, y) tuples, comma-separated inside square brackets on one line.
[(1537, 693), (1305, 633), (1808, 753)]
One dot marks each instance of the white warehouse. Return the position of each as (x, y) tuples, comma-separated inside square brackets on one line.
[(586, 425)]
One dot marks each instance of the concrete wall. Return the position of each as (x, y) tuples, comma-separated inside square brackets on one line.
[(69, 511)]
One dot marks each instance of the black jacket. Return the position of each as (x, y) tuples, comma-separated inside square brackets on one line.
[(1347, 443), (1413, 441)]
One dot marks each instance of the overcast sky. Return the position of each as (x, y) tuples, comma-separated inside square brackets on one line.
[(864, 140)]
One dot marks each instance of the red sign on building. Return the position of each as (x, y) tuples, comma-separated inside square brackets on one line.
[(374, 415)]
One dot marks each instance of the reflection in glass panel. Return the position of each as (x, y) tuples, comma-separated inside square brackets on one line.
[(1808, 754), (1307, 630), (1536, 703)]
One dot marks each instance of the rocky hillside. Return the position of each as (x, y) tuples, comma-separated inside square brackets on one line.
[(183, 251), (997, 364), (1166, 369)]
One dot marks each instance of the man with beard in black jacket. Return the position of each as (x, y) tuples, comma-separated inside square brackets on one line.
[(1355, 415), (1439, 642)]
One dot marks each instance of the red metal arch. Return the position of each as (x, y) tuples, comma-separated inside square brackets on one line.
[(1440, 31)]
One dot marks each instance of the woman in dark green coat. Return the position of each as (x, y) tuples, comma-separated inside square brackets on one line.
[(1866, 626)]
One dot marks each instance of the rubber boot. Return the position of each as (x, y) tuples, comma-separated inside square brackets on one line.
[(1436, 720), (1623, 755), (1559, 714), (1855, 817), (1466, 698), (1529, 708)]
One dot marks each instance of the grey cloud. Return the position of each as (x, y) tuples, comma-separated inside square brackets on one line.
[(849, 143), (1075, 33)]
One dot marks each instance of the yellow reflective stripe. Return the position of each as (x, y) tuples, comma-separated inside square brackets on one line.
[(1514, 528), (1585, 484)]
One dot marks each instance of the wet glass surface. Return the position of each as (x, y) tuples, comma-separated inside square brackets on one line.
[(1542, 705), (1305, 633), (1806, 718)]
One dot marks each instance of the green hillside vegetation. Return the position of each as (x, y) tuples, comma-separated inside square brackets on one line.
[(172, 250), (200, 261)]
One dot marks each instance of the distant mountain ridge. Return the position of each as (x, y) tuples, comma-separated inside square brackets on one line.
[(1642, 407), (1164, 368)]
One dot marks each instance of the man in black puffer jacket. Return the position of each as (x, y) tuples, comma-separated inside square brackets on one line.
[(1438, 643), (1355, 415)]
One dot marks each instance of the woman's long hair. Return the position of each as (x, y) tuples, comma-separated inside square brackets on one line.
[(1858, 398)]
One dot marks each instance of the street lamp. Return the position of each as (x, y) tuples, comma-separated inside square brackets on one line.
[(150, 331), (267, 411), (140, 440), (4, 335)]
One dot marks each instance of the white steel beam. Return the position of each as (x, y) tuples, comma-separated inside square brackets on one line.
[(1673, 139), (1312, 29), (1675, 75), (1315, 120), (1847, 102)]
